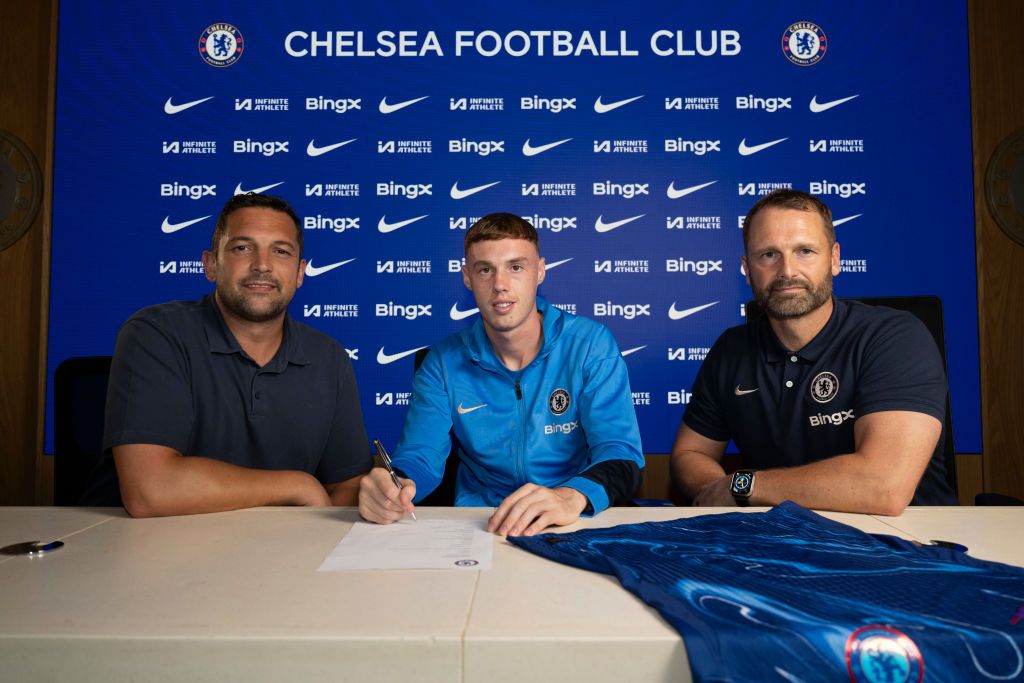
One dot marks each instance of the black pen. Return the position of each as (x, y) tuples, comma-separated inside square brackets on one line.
[(386, 460)]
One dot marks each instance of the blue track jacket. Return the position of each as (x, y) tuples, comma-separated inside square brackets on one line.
[(566, 411)]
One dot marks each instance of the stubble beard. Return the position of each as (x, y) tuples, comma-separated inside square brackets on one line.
[(788, 306), (235, 301)]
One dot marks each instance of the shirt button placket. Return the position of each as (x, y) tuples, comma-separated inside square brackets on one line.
[(257, 395), (791, 371)]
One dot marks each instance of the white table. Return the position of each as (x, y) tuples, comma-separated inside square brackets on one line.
[(236, 596)]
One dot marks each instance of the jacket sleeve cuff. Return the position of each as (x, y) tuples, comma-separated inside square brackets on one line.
[(594, 492)]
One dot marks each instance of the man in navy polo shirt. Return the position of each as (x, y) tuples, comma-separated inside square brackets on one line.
[(226, 402), (834, 405)]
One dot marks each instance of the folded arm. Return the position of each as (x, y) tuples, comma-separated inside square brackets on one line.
[(892, 451), (157, 481)]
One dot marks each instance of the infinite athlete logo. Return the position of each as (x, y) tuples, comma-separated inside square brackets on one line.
[(804, 43), (876, 653), (221, 45), (559, 401)]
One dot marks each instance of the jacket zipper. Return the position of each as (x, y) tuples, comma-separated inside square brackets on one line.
[(521, 444)]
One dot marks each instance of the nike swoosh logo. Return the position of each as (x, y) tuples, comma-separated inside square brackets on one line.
[(314, 151), (601, 226), (530, 151), (743, 392), (633, 350), (386, 108), (550, 266), (679, 315), (673, 193), (748, 150), (846, 220), (384, 358), (385, 227), (463, 411), (168, 227), (171, 108), (456, 193), (602, 108), (258, 190), (456, 314), (313, 271), (825, 106)]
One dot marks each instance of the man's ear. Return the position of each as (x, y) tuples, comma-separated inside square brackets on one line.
[(210, 265)]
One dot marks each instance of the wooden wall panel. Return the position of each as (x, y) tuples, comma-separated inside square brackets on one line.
[(27, 41), (997, 84)]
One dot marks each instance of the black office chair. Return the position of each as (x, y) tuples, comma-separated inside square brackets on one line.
[(928, 310), (444, 494), (79, 398)]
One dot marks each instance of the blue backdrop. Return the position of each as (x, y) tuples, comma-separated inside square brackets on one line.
[(634, 135)]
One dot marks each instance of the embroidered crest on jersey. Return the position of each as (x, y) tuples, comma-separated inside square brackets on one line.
[(824, 387), (559, 401)]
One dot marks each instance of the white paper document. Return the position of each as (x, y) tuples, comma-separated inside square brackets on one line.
[(426, 544)]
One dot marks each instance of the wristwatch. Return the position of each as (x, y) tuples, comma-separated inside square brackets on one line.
[(742, 487)]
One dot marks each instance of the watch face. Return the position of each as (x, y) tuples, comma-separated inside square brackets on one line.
[(741, 483)]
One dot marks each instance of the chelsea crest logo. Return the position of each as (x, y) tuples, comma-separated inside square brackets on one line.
[(804, 43), (558, 401), (221, 45), (824, 387), (877, 654)]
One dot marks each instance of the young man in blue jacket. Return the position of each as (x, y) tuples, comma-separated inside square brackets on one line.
[(538, 400)]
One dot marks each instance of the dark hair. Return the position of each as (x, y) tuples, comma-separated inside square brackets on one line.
[(501, 226), (790, 199), (253, 200)]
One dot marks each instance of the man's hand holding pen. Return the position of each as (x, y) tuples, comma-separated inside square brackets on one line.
[(384, 497)]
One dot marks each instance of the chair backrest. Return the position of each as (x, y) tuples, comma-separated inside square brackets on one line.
[(444, 494), (928, 310), (79, 398)]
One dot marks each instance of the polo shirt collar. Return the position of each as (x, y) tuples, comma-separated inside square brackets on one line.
[(774, 351), (221, 339)]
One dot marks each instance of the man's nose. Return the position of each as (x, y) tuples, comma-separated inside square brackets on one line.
[(261, 260), (787, 265)]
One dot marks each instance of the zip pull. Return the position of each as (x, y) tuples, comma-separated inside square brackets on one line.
[(519, 392)]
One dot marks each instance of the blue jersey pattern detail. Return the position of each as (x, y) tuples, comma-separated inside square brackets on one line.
[(788, 595)]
